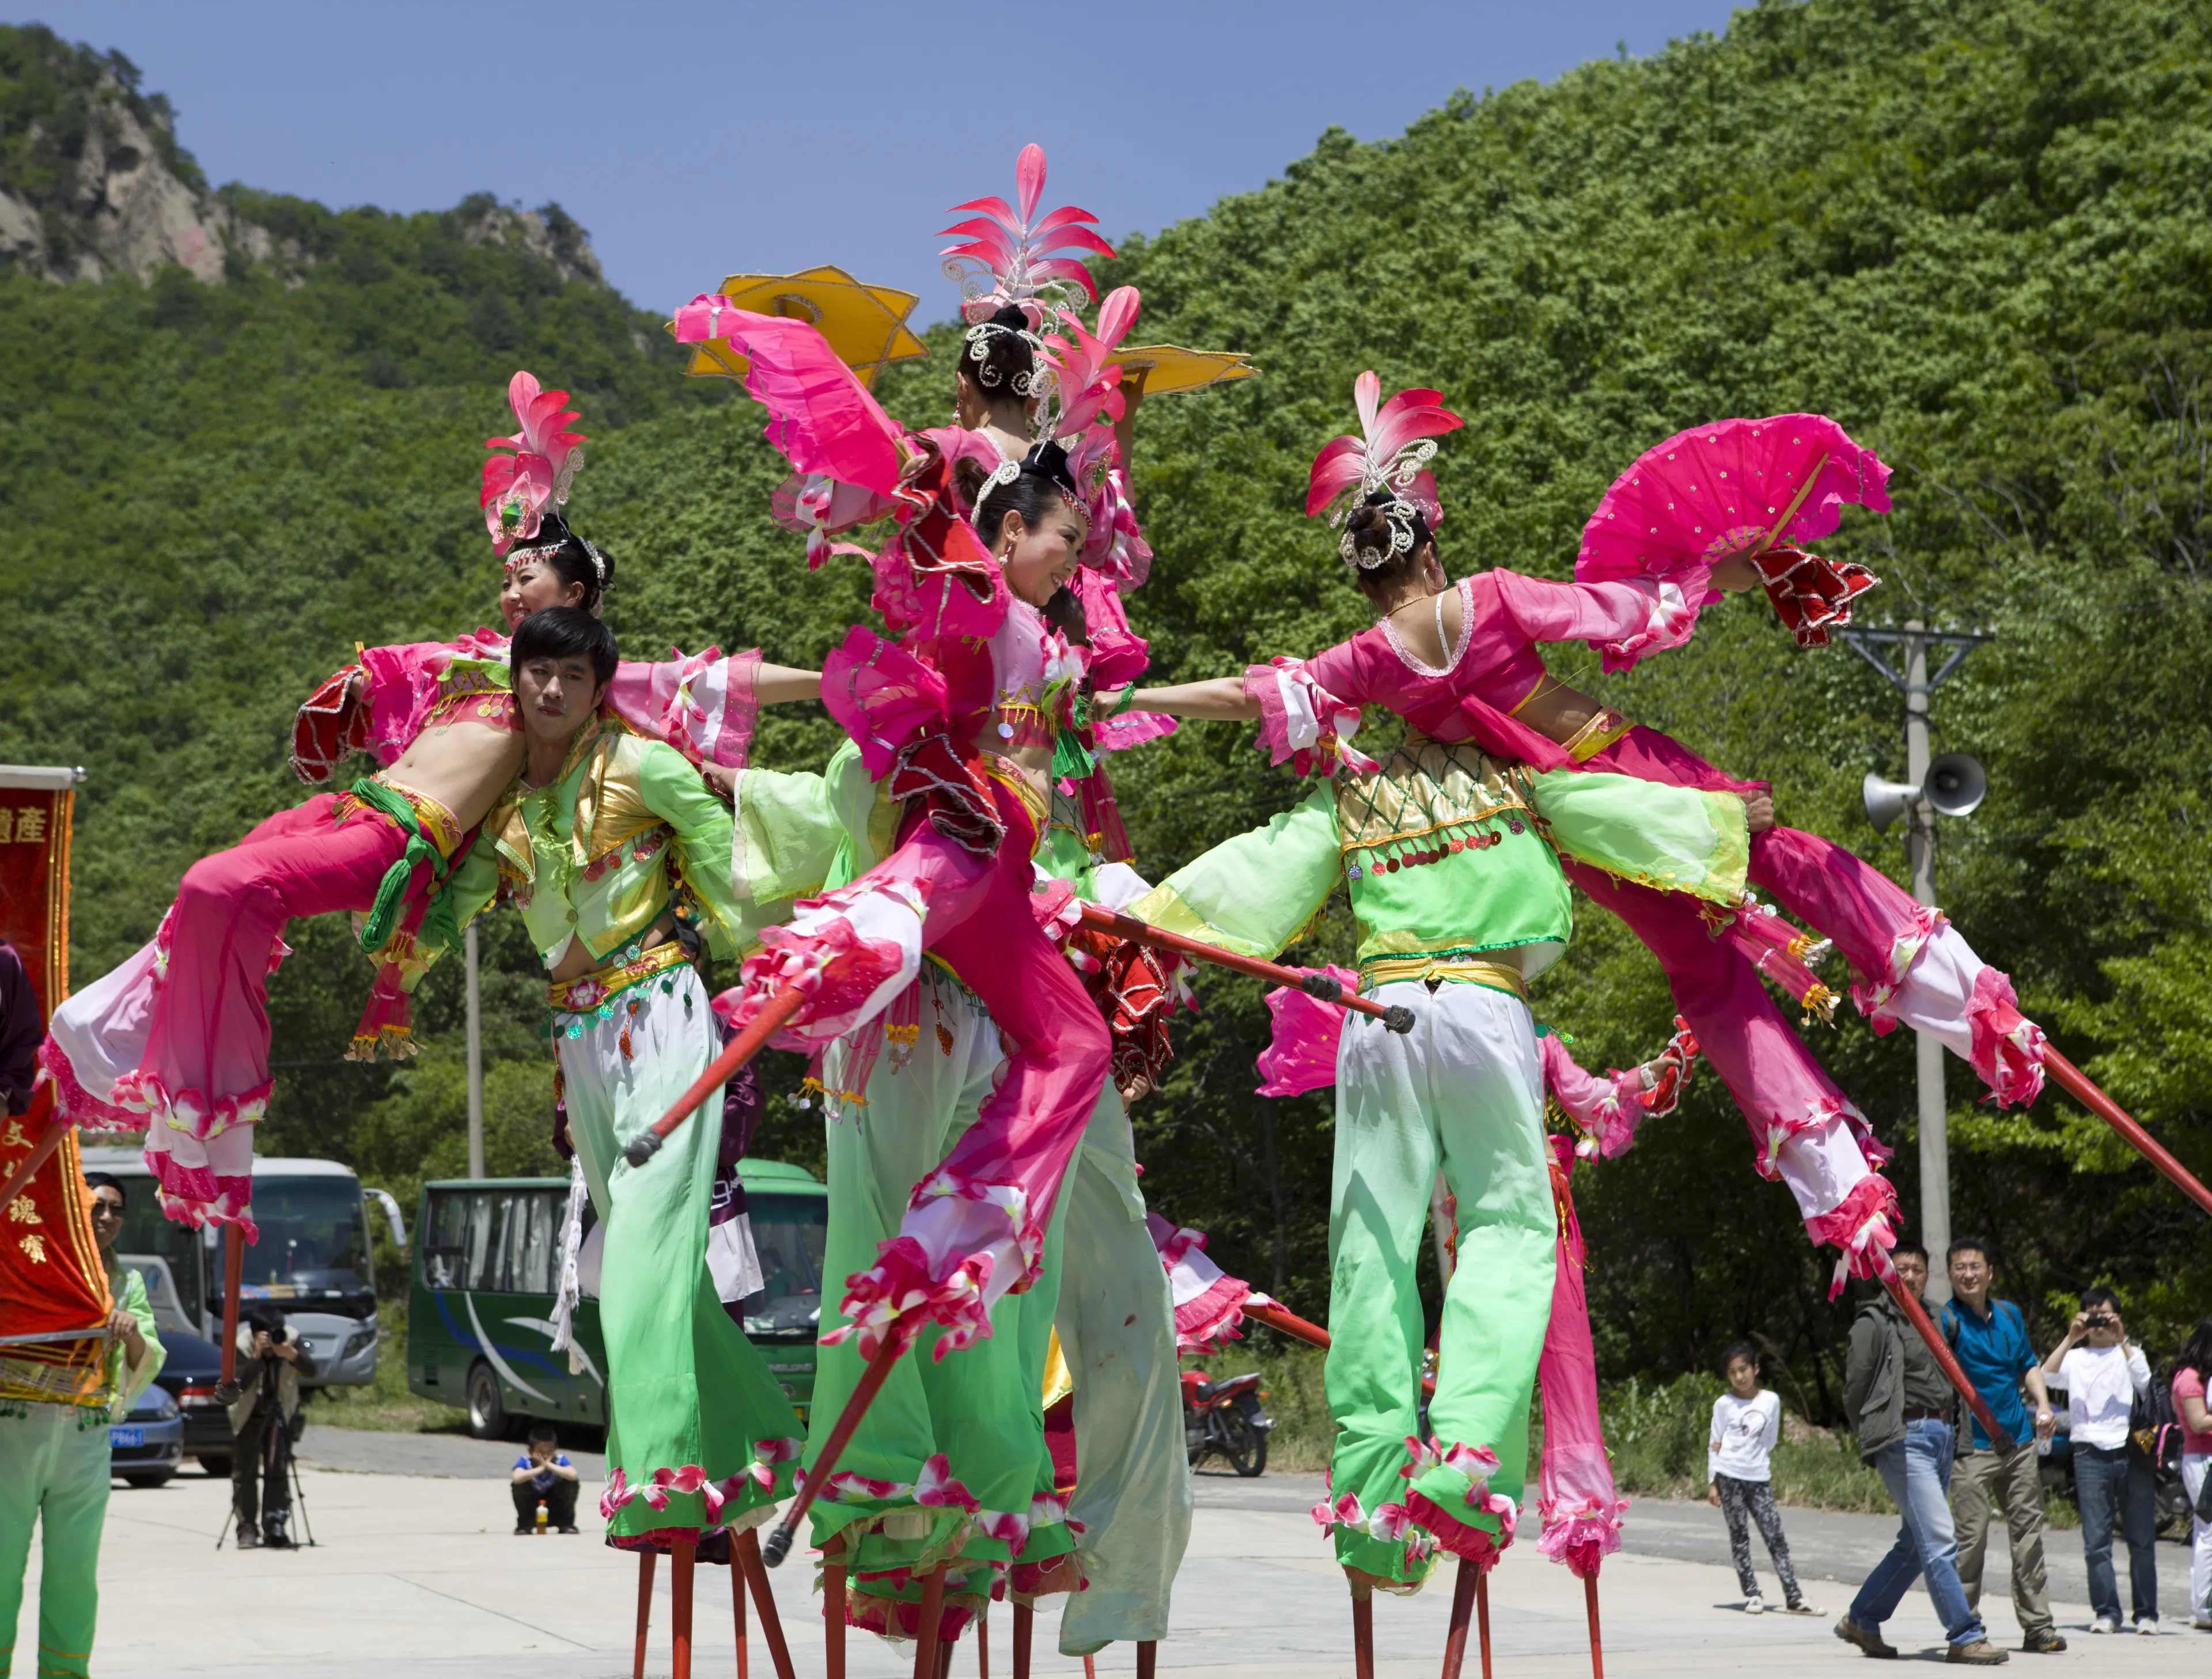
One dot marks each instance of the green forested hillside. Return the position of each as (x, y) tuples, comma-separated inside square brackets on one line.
[(1972, 230)]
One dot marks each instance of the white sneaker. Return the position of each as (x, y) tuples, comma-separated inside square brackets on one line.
[(2147, 1629), (2104, 1623), (2202, 1623), (1753, 1605)]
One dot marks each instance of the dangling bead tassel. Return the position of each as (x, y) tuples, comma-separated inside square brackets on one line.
[(624, 1039)]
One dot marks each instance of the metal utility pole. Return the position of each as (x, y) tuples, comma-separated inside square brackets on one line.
[(476, 1058), (1914, 640)]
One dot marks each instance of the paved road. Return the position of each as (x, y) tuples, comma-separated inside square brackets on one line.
[(417, 1573)]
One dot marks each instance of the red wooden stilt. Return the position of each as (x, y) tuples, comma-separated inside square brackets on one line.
[(1362, 1631), (1090, 1671), (1482, 1617), (745, 1552), (983, 1645), (1024, 1626), (1462, 1613), (1148, 1657), (682, 1555), (833, 1611), (944, 1650), (645, 1561), (1597, 1650), (738, 1614), (933, 1611)]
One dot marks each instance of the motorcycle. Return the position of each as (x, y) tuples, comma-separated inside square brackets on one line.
[(1225, 1417)]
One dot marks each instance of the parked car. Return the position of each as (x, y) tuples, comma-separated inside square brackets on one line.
[(189, 1375), (147, 1446)]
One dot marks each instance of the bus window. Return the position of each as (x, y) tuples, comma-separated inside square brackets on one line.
[(315, 1240), (145, 1230), (530, 1249), (444, 1244), (789, 1233), (483, 1256)]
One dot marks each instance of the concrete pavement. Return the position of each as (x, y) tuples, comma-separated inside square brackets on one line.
[(417, 1573)]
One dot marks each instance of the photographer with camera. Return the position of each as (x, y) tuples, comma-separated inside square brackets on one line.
[(2102, 1372), (263, 1421)]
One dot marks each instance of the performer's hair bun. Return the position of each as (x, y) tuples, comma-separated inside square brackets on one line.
[(572, 559), (1374, 529), (1002, 353)]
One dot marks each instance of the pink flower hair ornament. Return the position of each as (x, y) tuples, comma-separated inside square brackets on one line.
[(1021, 255), (530, 472)]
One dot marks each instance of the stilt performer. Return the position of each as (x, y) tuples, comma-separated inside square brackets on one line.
[(959, 719), (1459, 900), (605, 840)]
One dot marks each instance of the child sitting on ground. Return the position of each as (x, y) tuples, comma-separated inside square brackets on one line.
[(546, 1475), (1747, 1422)]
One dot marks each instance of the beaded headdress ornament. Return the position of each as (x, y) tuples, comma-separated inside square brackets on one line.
[(1390, 456), (1010, 257)]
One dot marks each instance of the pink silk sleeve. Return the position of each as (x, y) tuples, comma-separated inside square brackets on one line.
[(1623, 621)]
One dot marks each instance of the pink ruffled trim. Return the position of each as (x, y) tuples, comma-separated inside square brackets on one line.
[(194, 1195), (1584, 1540), (190, 1111), (666, 1483), (76, 1104), (1861, 1226), (895, 1618), (1676, 600), (2008, 1046), (1872, 997), (1217, 1314), (898, 1295), (1478, 1545), (1301, 722)]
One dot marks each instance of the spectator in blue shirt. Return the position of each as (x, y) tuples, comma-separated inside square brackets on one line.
[(1991, 1338), (546, 1476)]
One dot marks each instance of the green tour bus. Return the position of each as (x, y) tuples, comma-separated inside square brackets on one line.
[(480, 1296)]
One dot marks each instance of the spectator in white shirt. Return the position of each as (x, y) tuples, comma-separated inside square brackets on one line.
[(2102, 1372), (1747, 1422)]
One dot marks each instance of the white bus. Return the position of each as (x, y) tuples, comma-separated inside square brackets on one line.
[(314, 1256)]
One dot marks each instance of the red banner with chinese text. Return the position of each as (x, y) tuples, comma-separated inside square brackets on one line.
[(52, 1284), (34, 848)]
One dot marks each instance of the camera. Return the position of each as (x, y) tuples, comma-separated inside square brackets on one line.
[(2099, 1320)]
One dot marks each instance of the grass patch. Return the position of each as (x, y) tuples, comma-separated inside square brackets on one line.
[(385, 1404)]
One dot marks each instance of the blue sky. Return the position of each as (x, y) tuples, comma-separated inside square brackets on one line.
[(696, 139)]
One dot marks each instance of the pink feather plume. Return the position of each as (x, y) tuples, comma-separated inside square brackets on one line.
[(1387, 453), (519, 486), (1021, 251)]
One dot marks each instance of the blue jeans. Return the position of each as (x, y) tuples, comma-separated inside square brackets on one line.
[(2108, 1486), (1916, 1469)]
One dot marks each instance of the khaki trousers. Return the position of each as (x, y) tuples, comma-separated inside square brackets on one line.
[(1985, 1479)]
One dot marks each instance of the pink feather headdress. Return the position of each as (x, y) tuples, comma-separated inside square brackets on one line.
[(518, 487), (1392, 453), (1022, 256)]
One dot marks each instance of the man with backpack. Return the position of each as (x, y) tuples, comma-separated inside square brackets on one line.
[(2105, 1377), (1990, 1339)]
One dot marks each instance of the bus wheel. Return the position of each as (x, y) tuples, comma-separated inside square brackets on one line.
[(487, 1415)]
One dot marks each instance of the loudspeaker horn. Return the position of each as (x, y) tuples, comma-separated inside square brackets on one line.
[(1886, 800), (1956, 784)]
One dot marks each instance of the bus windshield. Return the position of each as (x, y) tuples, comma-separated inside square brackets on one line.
[(789, 1233), (313, 1245)]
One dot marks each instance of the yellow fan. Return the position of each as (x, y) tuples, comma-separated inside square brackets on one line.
[(865, 325), (1169, 369)]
